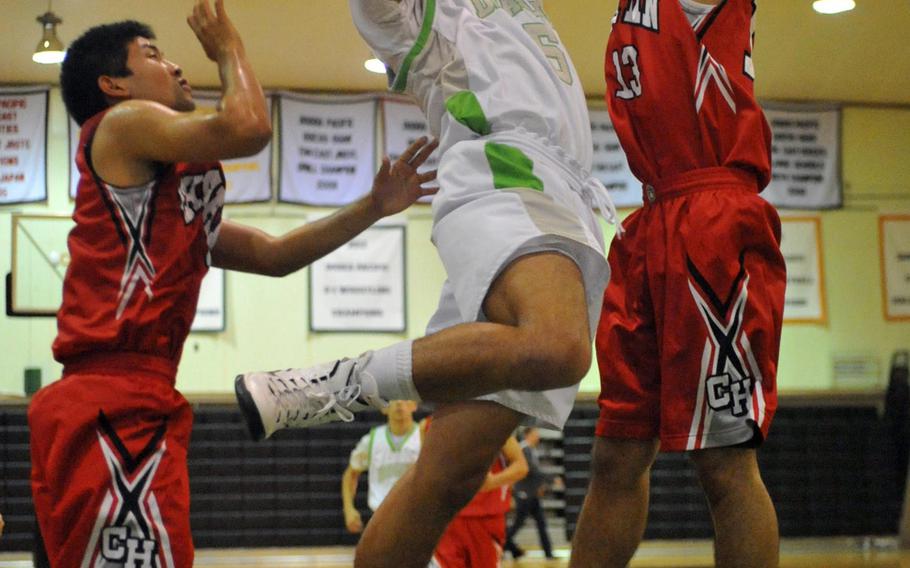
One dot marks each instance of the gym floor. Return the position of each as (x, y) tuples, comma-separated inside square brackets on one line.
[(795, 553)]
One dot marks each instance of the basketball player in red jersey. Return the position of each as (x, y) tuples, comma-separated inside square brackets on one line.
[(109, 440), (689, 334), (476, 536)]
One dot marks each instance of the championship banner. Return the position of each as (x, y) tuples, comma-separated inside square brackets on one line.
[(610, 165), (249, 179), (23, 144), (328, 154), (403, 124), (800, 245), (210, 308), (894, 248), (805, 156), (361, 286)]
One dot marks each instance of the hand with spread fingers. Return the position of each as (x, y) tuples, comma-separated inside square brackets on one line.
[(398, 185), (214, 29)]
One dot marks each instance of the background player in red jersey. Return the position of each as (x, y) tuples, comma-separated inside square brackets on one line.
[(109, 440), (689, 334), (476, 536)]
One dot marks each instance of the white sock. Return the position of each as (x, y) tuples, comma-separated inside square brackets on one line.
[(391, 367)]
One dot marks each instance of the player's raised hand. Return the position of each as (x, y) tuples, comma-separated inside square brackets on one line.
[(214, 29), (398, 185)]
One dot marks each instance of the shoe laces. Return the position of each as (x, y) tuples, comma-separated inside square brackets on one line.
[(307, 402)]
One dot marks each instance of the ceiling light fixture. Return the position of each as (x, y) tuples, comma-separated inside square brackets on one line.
[(50, 49), (833, 6), (374, 66)]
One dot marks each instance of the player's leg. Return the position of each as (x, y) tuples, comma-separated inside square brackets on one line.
[(454, 460), (745, 523), (537, 337), (131, 452), (615, 511), (727, 297), (538, 513), (522, 510)]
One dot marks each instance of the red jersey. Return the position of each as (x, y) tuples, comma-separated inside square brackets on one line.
[(138, 256), (494, 502), (681, 94)]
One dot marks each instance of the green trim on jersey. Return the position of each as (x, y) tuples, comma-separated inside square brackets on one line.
[(370, 451), (401, 78), (511, 167), (465, 108), (391, 441)]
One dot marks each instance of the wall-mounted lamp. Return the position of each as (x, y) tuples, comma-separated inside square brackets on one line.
[(50, 49)]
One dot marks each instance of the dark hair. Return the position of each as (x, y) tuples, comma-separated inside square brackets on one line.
[(102, 50)]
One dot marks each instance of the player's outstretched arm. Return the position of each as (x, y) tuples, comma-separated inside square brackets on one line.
[(148, 131), (515, 471), (352, 519), (395, 187)]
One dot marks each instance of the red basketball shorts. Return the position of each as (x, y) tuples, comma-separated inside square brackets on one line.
[(472, 542), (689, 334), (109, 472)]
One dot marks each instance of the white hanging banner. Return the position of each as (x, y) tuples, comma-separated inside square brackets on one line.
[(74, 131), (610, 165), (360, 286), (23, 144), (210, 308), (894, 247), (801, 249), (805, 156), (249, 179), (328, 154), (403, 124)]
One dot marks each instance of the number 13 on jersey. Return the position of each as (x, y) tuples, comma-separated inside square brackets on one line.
[(626, 60)]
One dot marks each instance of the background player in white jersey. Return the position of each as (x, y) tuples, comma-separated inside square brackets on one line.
[(523, 253), (385, 452)]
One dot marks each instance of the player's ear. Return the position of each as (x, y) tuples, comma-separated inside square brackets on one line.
[(113, 87)]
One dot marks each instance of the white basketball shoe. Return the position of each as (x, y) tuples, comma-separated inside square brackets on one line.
[(299, 398)]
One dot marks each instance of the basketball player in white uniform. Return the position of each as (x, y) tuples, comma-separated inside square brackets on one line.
[(385, 453), (523, 252)]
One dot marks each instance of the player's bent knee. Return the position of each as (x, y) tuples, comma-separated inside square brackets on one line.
[(557, 364)]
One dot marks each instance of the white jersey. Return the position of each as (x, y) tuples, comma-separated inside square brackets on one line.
[(480, 67), (502, 96), (385, 460)]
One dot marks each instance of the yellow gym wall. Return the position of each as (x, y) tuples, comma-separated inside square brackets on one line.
[(268, 326)]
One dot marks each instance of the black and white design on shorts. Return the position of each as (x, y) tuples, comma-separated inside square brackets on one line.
[(729, 391), (129, 531)]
